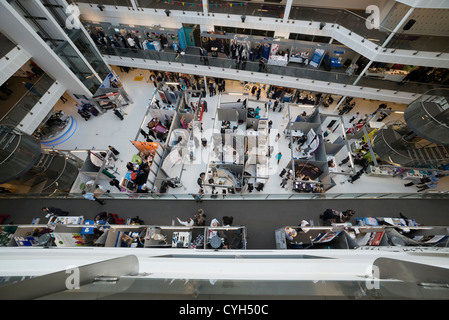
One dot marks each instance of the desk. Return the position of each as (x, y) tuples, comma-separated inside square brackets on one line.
[(278, 60), (415, 175), (379, 172), (66, 220), (181, 239)]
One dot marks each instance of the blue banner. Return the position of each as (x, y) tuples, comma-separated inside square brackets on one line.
[(182, 39)]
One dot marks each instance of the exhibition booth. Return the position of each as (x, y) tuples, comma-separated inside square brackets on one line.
[(78, 232), (239, 153), (369, 233), (143, 167), (96, 168), (313, 156), (278, 51)]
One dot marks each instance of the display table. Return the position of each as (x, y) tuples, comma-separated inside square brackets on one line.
[(181, 239), (278, 60), (393, 75), (66, 220), (297, 59), (415, 175), (356, 146), (380, 172)]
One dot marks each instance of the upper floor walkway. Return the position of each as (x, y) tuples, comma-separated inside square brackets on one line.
[(354, 29)]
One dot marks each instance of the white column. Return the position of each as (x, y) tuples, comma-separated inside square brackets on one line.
[(206, 88), (363, 72), (288, 7), (205, 7)]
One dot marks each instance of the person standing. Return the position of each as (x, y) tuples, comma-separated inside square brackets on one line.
[(201, 54), (363, 119), (354, 117), (114, 150), (118, 114), (199, 218), (278, 157), (115, 183), (153, 78), (206, 58), (90, 196), (258, 94), (31, 88), (131, 43), (284, 182), (200, 180), (188, 223), (261, 64), (278, 136), (244, 59), (52, 211)]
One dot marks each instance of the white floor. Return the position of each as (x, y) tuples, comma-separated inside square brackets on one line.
[(106, 129)]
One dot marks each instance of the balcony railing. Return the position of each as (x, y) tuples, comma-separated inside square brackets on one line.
[(253, 66), (27, 102), (231, 197), (335, 17)]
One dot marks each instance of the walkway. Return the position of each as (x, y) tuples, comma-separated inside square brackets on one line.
[(261, 217)]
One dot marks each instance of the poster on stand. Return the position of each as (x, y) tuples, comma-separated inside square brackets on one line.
[(326, 237), (317, 56), (163, 97), (182, 39), (266, 51), (146, 147)]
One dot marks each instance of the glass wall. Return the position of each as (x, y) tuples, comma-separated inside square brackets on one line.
[(270, 9), (6, 45), (90, 53), (190, 5), (77, 65), (35, 92)]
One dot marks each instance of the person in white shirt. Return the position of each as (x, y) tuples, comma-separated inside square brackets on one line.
[(187, 223), (132, 43)]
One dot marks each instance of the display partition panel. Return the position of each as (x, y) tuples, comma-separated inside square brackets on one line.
[(312, 169), (333, 149)]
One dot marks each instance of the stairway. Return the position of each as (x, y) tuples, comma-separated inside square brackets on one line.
[(429, 156)]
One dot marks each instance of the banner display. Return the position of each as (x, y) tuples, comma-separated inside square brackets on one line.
[(182, 39), (146, 147), (317, 56)]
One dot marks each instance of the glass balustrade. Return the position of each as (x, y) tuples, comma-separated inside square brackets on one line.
[(232, 197), (358, 23), (6, 45), (299, 72), (264, 9), (23, 107), (189, 5)]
